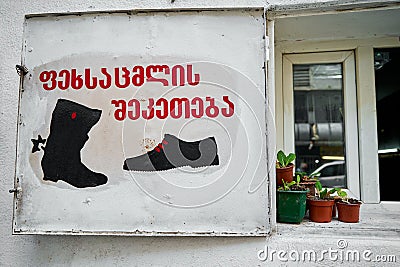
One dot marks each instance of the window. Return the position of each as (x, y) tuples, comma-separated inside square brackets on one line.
[(319, 94), (387, 80), (309, 39)]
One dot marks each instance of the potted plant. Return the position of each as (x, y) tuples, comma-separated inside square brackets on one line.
[(291, 202), (339, 195), (321, 206), (348, 208), (284, 167), (308, 181)]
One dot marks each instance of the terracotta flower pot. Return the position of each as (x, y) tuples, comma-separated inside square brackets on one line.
[(311, 187), (347, 212), (320, 210), (285, 173)]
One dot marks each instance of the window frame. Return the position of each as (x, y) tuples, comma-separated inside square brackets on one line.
[(365, 78), (349, 102)]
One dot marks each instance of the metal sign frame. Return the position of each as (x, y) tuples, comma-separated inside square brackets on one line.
[(29, 194)]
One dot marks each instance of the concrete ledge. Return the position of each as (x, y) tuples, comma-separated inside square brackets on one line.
[(378, 221)]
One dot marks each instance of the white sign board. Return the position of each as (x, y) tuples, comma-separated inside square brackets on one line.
[(147, 123)]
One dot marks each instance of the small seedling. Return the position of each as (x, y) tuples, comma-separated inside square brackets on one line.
[(324, 193), (311, 177), (284, 160), (288, 186)]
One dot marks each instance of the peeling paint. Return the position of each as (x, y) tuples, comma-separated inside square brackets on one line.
[(148, 144)]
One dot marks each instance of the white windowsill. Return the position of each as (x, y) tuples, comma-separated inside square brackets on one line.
[(376, 221)]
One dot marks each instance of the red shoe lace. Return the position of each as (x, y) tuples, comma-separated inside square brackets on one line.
[(160, 145)]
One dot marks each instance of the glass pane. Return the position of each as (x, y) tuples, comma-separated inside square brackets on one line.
[(387, 80), (319, 127)]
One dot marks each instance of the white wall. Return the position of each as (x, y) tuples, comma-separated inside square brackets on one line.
[(95, 251), (90, 251)]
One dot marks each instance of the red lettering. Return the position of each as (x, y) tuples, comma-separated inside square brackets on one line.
[(200, 107), (66, 75), (46, 76), (212, 111), (120, 77), (176, 107), (76, 80), (105, 84), (228, 112), (157, 68), (120, 113), (190, 80), (88, 78), (175, 70), (164, 103), (150, 112), (138, 79), (137, 109), (125, 77)]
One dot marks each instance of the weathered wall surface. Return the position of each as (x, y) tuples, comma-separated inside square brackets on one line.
[(102, 251), (90, 251)]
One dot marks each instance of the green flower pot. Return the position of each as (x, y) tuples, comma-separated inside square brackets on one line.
[(291, 206)]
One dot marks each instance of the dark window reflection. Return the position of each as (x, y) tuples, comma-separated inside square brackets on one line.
[(387, 84), (319, 128)]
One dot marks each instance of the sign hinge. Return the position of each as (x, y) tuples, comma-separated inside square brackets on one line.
[(17, 189), (21, 70)]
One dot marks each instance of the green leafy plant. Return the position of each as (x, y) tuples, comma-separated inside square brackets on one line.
[(324, 193), (304, 177), (284, 160), (292, 186), (301, 174), (343, 197), (314, 175), (342, 194), (286, 186)]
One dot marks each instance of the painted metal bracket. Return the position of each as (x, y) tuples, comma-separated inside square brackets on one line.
[(15, 190), (21, 70)]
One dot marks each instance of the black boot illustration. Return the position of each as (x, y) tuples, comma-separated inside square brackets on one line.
[(173, 152), (69, 128)]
